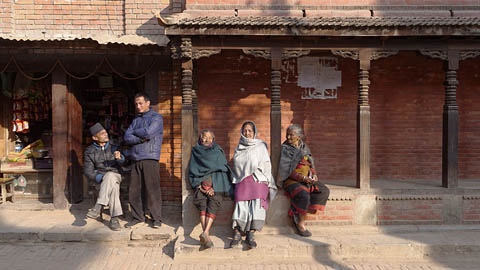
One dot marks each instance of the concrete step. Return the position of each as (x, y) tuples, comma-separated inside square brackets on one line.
[(347, 243), (64, 226)]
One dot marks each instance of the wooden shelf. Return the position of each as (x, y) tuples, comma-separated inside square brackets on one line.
[(16, 171)]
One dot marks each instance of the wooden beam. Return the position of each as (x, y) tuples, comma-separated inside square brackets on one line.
[(275, 108), (450, 124), (60, 138), (332, 32), (363, 122), (338, 43)]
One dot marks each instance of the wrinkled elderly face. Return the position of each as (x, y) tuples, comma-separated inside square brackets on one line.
[(248, 131), (293, 138), (206, 139), (141, 105), (101, 137)]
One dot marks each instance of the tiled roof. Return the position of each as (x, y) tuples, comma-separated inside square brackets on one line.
[(325, 22), (134, 40)]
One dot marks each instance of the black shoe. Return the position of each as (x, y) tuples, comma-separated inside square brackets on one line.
[(237, 237), (93, 213), (156, 224), (114, 224), (203, 239), (251, 239), (209, 243), (305, 233), (133, 223)]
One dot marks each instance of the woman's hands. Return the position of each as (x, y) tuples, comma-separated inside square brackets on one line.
[(310, 180), (209, 191)]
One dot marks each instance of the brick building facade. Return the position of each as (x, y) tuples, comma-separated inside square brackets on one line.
[(391, 144), (381, 144)]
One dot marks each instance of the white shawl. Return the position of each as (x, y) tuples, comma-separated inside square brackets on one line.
[(251, 158)]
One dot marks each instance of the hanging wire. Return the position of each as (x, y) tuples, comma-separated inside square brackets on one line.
[(32, 78), (85, 77), (8, 64), (62, 66), (130, 78)]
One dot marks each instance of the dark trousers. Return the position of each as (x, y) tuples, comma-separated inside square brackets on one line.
[(145, 189)]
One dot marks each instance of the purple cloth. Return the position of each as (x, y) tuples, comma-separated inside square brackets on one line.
[(248, 190)]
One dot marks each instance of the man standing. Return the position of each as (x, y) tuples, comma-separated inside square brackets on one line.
[(102, 164), (145, 134)]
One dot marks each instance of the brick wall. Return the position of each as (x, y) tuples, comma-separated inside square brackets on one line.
[(6, 16), (63, 18), (225, 100), (406, 97), (169, 105), (468, 98), (336, 212), (329, 125), (409, 211), (471, 210)]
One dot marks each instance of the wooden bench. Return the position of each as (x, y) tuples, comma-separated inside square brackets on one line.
[(4, 183)]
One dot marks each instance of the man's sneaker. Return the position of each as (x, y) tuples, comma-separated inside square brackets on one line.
[(133, 223), (156, 224), (93, 213), (114, 224)]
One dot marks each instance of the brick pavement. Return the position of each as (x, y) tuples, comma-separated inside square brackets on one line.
[(82, 256)]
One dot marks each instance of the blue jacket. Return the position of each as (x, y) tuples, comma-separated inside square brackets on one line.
[(145, 134)]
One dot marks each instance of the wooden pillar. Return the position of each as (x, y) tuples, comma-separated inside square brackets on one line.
[(363, 122), (75, 148), (187, 121), (60, 138), (450, 125), (275, 109), (195, 112)]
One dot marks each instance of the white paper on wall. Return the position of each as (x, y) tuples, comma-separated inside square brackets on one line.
[(319, 76)]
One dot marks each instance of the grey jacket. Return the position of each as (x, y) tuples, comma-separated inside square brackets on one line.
[(100, 160)]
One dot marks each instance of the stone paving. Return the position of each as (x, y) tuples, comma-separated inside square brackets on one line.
[(82, 256)]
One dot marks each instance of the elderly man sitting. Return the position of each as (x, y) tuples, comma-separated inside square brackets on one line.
[(102, 164)]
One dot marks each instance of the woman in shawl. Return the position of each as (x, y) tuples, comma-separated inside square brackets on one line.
[(210, 177), (254, 185), (299, 179)]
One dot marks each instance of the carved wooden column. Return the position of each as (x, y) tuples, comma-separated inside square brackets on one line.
[(450, 124), (182, 50), (60, 138), (275, 109), (363, 122)]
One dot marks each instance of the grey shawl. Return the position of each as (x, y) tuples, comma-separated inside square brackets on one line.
[(290, 157), (251, 158)]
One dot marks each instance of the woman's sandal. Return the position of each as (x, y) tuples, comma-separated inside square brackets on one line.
[(251, 239), (305, 233), (237, 237), (203, 239)]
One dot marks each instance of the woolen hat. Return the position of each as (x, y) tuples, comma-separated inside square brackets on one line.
[(95, 129)]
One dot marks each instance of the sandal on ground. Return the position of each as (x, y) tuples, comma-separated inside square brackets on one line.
[(251, 239), (305, 233), (203, 239), (209, 243), (237, 237)]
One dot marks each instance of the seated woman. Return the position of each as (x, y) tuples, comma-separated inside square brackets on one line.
[(254, 185), (299, 179), (210, 177)]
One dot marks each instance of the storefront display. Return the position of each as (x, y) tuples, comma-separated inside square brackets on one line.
[(29, 162)]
